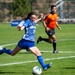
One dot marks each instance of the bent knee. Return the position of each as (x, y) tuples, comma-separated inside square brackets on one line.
[(13, 54), (50, 41)]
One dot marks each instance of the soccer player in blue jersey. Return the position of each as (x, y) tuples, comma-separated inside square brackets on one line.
[(28, 42)]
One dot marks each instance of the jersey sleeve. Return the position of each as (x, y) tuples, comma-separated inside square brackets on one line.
[(21, 23), (46, 18)]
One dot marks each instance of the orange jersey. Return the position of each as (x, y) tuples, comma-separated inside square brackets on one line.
[(51, 20)]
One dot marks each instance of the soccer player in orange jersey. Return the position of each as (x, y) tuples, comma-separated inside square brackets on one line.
[(50, 23)]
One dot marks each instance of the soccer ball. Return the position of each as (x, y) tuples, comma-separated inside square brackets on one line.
[(36, 70)]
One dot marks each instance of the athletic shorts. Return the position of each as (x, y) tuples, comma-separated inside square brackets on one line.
[(50, 32), (26, 44)]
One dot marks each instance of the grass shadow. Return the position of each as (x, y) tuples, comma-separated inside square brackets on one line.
[(69, 68), (10, 73), (7, 72)]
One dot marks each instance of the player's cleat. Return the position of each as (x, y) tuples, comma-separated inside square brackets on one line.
[(2, 51), (55, 51), (39, 39), (47, 66)]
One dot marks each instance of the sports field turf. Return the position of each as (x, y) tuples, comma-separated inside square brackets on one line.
[(63, 63)]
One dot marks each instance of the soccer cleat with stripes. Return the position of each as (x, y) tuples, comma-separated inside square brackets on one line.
[(2, 51), (47, 66), (55, 51)]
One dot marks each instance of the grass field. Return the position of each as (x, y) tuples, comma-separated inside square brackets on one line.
[(23, 62)]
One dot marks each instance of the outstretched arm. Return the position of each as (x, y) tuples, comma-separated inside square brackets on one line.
[(40, 18), (20, 26)]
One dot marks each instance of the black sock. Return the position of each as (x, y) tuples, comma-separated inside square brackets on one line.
[(54, 45), (45, 39)]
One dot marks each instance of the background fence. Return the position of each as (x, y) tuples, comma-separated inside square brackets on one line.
[(5, 10), (65, 9)]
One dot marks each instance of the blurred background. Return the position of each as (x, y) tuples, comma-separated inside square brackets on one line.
[(18, 9)]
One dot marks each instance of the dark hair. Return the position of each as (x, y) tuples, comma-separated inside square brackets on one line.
[(29, 14), (52, 6)]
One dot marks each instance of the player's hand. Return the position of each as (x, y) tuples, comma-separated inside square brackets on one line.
[(47, 29), (59, 28), (19, 28), (41, 15)]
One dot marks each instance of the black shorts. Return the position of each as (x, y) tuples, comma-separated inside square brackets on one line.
[(50, 32)]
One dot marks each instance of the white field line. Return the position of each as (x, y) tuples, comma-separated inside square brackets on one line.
[(26, 62), (8, 44), (66, 40), (41, 51), (45, 51), (60, 51), (1, 46), (58, 40)]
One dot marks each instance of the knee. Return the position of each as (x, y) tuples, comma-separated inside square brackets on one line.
[(50, 41), (54, 41), (12, 54)]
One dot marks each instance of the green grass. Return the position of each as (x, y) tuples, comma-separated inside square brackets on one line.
[(65, 43)]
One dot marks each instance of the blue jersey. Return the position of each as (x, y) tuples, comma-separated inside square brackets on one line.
[(30, 30)]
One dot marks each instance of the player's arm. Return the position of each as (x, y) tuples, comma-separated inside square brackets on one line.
[(40, 18), (45, 26), (45, 23), (58, 26), (20, 26)]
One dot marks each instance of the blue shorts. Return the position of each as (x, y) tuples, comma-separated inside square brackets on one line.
[(26, 44)]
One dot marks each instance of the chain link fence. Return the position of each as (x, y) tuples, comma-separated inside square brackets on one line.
[(68, 11), (5, 11), (67, 14)]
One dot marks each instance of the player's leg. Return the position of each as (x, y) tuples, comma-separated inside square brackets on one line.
[(42, 39), (15, 50), (4, 50), (52, 38), (54, 44), (36, 51), (9, 51), (49, 39), (21, 45)]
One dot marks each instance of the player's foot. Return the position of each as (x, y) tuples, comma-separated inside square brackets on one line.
[(55, 51), (2, 51), (47, 66), (39, 39)]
